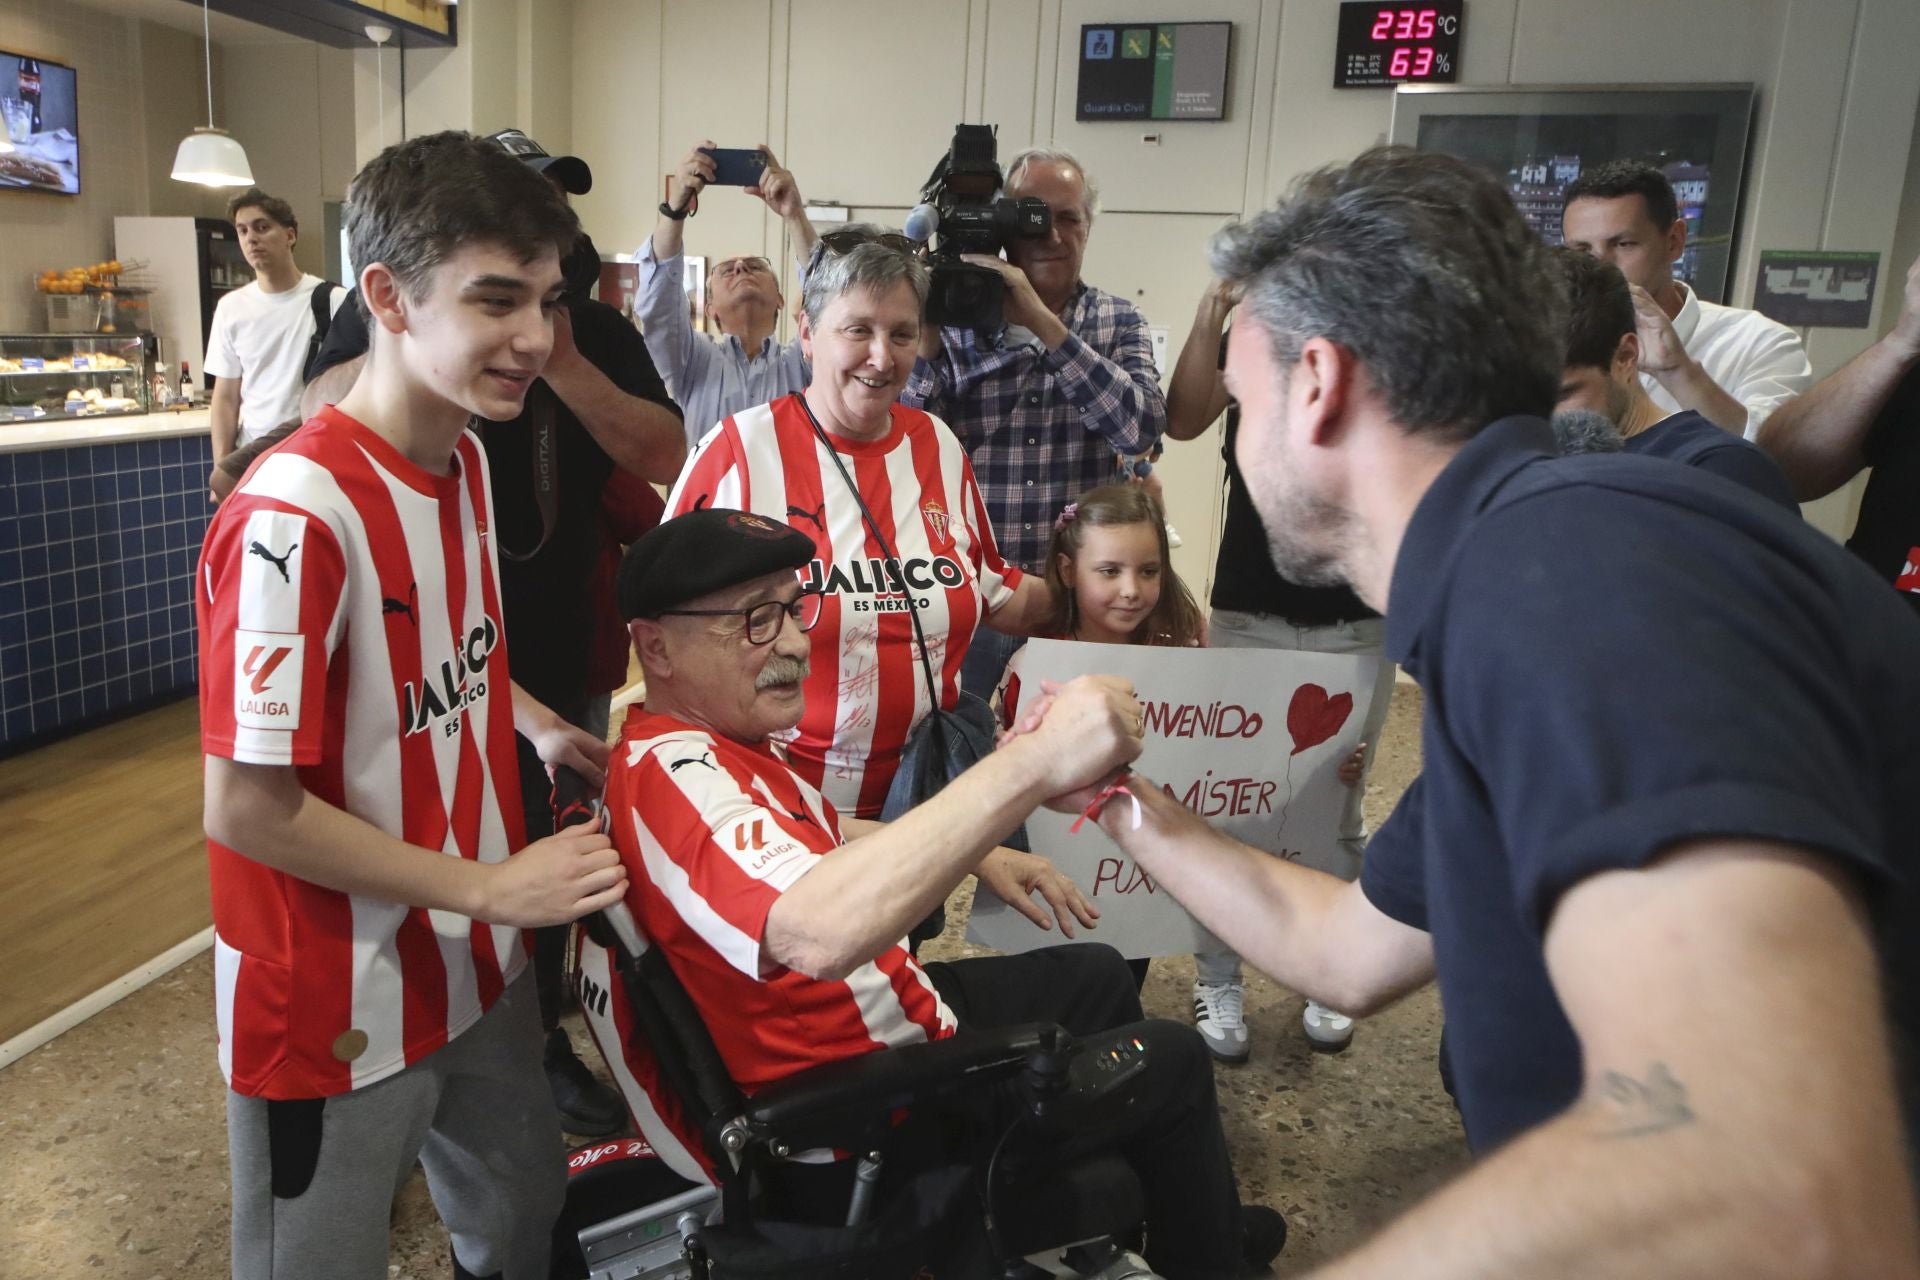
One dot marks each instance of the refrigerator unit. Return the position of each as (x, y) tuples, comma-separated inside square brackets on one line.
[(192, 264)]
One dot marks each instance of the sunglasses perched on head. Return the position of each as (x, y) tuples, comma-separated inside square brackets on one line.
[(848, 240)]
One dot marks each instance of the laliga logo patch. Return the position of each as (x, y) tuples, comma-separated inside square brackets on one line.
[(267, 667)]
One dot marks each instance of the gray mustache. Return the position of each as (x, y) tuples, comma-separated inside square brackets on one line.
[(781, 670)]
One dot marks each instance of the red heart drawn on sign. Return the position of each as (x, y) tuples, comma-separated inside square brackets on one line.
[(1313, 717)]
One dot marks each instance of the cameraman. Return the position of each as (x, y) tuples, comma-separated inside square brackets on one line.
[(1044, 404), (713, 381)]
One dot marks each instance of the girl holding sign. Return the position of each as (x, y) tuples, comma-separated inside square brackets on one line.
[(1111, 575), (1112, 579)]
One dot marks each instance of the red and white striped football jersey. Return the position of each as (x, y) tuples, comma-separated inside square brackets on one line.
[(712, 832), (350, 626), (866, 692)]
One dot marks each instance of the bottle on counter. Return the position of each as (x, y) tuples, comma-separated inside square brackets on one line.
[(186, 384), (159, 389)]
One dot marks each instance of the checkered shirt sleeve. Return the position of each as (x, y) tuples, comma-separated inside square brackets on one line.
[(1042, 427)]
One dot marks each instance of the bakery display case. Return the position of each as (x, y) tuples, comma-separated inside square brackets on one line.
[(48, 376)]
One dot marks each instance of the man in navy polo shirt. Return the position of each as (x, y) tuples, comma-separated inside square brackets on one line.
[(1658, 858), (1602, 375)]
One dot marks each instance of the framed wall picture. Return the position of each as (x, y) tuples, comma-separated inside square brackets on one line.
[(1539, 139)]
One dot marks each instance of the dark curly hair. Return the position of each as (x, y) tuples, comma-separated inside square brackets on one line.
[(1419, 264)]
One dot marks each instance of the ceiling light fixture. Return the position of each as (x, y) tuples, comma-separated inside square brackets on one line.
[(210, 156)]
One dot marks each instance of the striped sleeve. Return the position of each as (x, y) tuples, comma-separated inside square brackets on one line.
[(713, 847), (998, 579), (715, 474), (270, 590)]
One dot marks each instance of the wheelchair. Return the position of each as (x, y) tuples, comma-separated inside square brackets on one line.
[(646, 1208)]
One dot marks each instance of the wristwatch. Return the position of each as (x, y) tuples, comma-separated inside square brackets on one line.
[(678, 215)]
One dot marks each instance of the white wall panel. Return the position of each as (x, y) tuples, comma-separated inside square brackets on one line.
[(876, 88)]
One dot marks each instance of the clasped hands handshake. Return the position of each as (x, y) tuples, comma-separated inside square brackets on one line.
[(1083, 735)]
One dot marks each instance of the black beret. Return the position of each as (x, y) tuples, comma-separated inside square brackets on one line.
[(707, 550)]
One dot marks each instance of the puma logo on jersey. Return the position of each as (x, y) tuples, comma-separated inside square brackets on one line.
[(701, 501), (389, 605), (818, 516), (279, 562), (705, 760)]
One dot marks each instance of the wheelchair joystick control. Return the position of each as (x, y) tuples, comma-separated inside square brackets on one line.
[(1045, 1076)]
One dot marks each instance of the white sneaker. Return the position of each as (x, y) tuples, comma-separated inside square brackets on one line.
[(1328, 1031), (1217, 1012)]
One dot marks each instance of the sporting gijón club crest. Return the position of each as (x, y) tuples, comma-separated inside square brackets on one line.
[(459, 683)]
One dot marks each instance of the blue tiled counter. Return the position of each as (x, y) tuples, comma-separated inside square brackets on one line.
[(98, 543)]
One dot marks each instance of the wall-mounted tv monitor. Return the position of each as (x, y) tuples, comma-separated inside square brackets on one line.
[(1539, 139), (39, 125)]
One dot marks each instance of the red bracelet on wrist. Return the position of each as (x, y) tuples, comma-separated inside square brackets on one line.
[(1118, 787)]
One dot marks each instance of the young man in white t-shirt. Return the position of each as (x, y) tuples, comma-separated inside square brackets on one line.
[(1730, 365), (261, 333)]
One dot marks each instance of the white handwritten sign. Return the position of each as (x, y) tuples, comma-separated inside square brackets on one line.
[(1250, 739)]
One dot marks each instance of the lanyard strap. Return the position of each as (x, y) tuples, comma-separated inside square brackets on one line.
[(544, 465)]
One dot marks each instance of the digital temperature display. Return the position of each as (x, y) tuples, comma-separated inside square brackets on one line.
[(1387, 44)]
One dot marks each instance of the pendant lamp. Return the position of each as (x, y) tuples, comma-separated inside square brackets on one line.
[(210, 156)]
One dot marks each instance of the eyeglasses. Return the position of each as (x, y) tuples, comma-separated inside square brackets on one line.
[(763, 620), (734, 266), (852, 238)]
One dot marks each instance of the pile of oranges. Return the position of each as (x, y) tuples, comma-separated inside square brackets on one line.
[(101, 275)]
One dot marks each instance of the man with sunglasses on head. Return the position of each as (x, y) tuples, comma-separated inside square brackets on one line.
[(712, 380)]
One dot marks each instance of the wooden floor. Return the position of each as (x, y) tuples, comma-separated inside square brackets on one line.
[(103, 864)]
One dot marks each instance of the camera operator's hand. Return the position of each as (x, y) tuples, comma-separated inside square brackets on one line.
[(564, 355), (1023, 305)]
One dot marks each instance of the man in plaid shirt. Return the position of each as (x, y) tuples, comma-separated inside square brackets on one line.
[(1043, 406)]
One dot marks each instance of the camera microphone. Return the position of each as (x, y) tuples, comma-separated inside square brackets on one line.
[(922, 221)]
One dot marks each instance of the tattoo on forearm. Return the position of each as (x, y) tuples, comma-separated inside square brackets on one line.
[(1631, 1108)]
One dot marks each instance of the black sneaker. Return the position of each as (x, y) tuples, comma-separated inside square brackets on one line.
[(586, 1106), (1263, 1233)]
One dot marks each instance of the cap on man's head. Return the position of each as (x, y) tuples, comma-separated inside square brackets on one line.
[(572, 171), (703, 551)]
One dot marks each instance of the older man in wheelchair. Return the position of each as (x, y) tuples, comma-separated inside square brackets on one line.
[(850, 1111)]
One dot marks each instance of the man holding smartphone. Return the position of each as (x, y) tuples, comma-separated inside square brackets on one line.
[(711, 380)]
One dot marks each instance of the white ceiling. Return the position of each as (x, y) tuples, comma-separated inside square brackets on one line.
[(184, 15)]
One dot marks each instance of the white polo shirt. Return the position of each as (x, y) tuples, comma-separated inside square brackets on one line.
[(1758, 361), (261, 338)]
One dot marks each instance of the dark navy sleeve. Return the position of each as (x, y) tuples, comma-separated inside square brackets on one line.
[(1620, 685), (1393, 875), (1748, 465)]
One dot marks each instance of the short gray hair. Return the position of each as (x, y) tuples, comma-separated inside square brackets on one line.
[(1584, 431), (1420, 265), (1057, 155), (867, 266)]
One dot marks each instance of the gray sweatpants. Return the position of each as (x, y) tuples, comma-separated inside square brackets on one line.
[(314, 1180)]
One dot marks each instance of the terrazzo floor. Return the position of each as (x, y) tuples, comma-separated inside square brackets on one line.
[(113, 1143)]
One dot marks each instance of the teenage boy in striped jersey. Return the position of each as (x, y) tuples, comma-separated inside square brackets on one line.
[(361, 786)]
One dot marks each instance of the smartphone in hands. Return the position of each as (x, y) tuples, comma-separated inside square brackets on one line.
[(736, 166)]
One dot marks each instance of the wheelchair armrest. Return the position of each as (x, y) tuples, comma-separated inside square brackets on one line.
[(830, 1105)]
